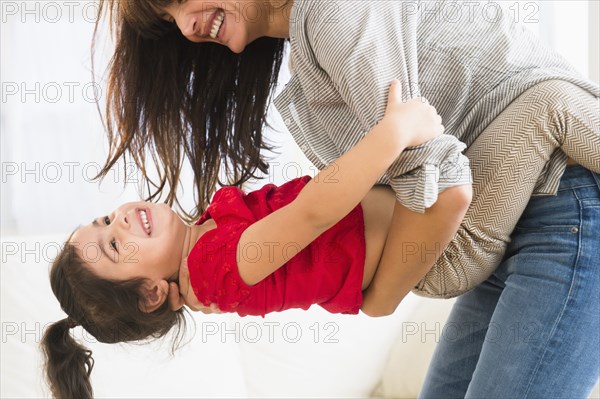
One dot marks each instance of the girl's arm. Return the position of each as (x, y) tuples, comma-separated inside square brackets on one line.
[(338, 188), (415, 241)]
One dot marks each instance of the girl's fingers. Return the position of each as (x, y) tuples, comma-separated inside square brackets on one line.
[(394, 94)]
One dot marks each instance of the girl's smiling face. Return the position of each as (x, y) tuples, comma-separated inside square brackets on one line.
[(232, 23), (138, 239)]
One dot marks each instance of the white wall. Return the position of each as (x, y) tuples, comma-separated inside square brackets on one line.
[(52, 137)]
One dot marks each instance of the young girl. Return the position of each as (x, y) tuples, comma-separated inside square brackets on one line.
[(112, 277), (511, 99)]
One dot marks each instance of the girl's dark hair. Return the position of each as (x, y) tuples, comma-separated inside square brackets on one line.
[(174, 99), (108, 310)]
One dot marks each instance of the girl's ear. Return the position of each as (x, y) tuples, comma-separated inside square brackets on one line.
[(153, 296)]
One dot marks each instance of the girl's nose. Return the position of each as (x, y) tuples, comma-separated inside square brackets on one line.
[(122, 220)]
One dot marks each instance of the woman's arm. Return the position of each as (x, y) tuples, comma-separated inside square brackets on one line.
[(415, 241), (337, 189)]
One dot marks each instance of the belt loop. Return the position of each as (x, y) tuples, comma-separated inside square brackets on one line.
[(597, 178)]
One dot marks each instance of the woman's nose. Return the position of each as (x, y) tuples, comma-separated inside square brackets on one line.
[(188, 25)]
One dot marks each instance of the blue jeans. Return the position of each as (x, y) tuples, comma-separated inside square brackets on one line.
[(532, 330)]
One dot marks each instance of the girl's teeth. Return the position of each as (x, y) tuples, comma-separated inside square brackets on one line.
[(217, 25), (145, 220)]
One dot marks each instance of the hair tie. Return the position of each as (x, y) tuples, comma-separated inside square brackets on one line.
[(71, 322)]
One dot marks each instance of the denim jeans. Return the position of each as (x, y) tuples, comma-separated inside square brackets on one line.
[(532, 330)]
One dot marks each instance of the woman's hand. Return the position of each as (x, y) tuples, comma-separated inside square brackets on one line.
[(187, 297), (414, 121)]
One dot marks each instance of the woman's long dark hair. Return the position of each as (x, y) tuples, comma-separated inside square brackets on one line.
[(175, 99), (108, 310)]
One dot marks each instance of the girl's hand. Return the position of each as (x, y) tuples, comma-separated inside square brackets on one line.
[(187, 296), (414, 121)]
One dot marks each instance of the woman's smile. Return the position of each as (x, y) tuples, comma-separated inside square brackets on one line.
[(217, 22), (241, 21)]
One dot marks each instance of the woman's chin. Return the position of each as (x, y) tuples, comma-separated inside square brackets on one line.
[(237, 49), (238, 44)]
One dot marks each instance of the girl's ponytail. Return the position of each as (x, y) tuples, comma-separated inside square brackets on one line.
[(68, 364)]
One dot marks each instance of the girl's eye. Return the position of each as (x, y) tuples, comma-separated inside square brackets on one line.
[(106, 220), (113, 244)]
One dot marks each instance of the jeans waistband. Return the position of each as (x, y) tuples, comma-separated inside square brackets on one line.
[(578, 176)]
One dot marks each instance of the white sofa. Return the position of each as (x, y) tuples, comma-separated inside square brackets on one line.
[(288, 354)]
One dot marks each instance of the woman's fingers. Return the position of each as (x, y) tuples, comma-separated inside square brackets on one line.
[(181, 294), (176, 301), (214, 308), (187, 296), (184, 281)]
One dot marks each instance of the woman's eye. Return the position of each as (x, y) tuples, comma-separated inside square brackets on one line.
[(168, 18), (106, 220), (113, 244)]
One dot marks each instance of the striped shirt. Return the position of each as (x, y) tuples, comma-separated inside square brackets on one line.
[(469, 59)]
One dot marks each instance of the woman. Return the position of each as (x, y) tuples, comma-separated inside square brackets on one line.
[(485, 76)]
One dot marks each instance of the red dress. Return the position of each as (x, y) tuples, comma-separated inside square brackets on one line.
[(328, 272)]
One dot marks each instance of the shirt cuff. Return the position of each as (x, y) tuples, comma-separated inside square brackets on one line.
[(434, 167)]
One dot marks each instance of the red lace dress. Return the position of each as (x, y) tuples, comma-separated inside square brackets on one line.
[(328, 272)]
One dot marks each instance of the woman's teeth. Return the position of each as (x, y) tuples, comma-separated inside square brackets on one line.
[(145, 220), (217, 25)]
